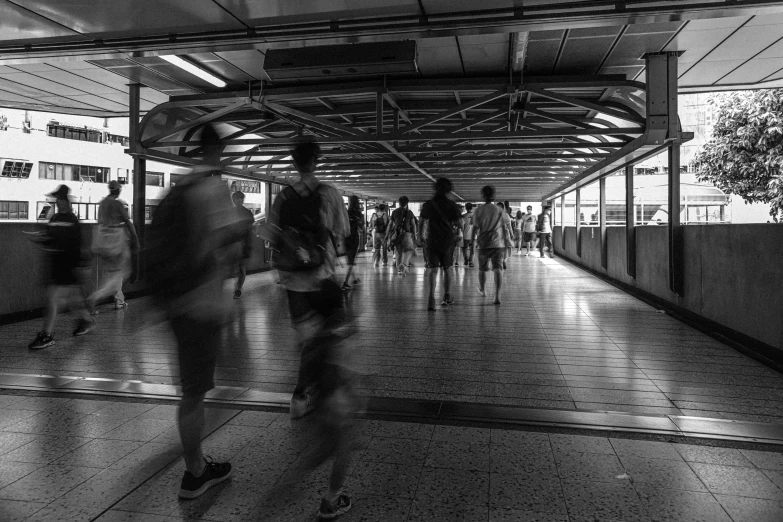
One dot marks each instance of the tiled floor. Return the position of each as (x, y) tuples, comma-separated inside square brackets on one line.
[(561, 339), (120, 461)]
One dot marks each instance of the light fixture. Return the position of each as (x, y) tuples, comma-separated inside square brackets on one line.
[(195, 71)]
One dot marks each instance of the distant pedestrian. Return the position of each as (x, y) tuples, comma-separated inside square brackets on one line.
[(191, 247), (245, 220), (401, 235), (356, 222), (508, 235), (467, 235), (439, 222), (460, 238), (310, 219), (528, 230), (380, 225), (518, 231), (63, 242), (489, 232), (113, 242), (544, 230)]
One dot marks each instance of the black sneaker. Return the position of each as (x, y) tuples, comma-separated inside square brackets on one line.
[(447, 300), (330, 511), (42, 340), (84, 328), (214, 473), (237, 294)]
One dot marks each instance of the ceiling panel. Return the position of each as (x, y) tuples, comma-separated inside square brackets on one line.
[(484, 53), (21, 25), (634, 45), (745, 43), (455, 6), (101, 102), (78, 82), (118, 18), (147, 77), (707, 73), (67, 102), (583, 55), (10, 96), (439, 57), (250, 61), (40, 84), (269, 12), (753, 72)]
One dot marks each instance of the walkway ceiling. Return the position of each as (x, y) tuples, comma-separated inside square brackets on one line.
[(78, 57)]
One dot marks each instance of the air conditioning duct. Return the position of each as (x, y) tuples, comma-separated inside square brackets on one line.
[(341, 60)]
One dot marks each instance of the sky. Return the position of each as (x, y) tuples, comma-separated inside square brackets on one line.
[(40, 119)]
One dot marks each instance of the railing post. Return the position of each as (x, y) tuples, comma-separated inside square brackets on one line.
[(602, 221), (630, 223), (676, 259), (562, 224), (139, 173), (578, 222)]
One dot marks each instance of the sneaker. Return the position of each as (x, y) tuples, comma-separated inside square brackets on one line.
[(237, 294), (386, 264), (471, 265), (84, 328), (119, 306), (551, 256), (301, 405), (447, 300), (542, 255), (346, 286), (481, 291), (42, 340), (214, 473), (332, 510)]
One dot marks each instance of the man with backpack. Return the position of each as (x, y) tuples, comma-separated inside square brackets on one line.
[(440, 219), (380, 225), (544, 229), (308, 220), (490, 230), (191, 247), (401, 235)]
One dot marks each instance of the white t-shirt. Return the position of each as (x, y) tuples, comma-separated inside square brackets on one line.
[(529, 223)]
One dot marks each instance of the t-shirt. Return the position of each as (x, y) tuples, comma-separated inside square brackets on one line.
[(355, 218), (518, 225), (467, 229), (246, 220), (546, 223), (529, 223), (489, 220), (65, 239), (442, 215), (403, 218), (112, 211)]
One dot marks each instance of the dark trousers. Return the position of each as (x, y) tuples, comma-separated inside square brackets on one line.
[(545, 239)]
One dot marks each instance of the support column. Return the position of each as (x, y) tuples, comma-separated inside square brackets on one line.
[(139, 173), (578, 222), (602, 222), (630, 224), (379, 114), (676, 258), (562, 224)]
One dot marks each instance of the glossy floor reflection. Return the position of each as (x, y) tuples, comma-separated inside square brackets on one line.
[(83, 460), (561, 339)]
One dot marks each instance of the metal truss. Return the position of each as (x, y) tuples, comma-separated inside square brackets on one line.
[(382, 140)]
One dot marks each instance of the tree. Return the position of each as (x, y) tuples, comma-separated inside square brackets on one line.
[(744, 156)]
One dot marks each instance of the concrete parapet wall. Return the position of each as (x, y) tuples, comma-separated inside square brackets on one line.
[(733, 273), (23, 268)]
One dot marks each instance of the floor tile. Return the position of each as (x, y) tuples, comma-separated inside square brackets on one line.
[(411, 452), (594, 467), (18, 510), (733, 480), (661, 473), (764, 459), (506, 459), (47, 484), (580, 444), (603, 501), (427, 511), (645, 449), (380, 478), (712, 455), (461, 434), (666, 505), (499, 514), (528, 492), (451, 486), (458, 455), (744, 509)]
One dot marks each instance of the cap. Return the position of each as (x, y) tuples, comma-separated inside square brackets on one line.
[(546, 207), (61, 192), (114, 185)]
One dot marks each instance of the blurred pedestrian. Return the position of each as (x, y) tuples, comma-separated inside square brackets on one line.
[(460, 232), (401, 235), (508, 235), (192, 245), (528, 230), (113, 242), (379, 226), (544, 230), (467, 235), (63, 242), (518, 231), (356, 222), (245, 220), (489, 232), (309, 219), (439, 222)]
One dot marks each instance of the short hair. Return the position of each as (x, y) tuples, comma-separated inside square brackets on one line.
[(442, 186), (468, 206), (488, 192), (354, 203), (237, 195), (382, 207), (210, 139), (403, 201), (305, 151)]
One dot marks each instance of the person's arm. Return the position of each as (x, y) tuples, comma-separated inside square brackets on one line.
[(128, 226)]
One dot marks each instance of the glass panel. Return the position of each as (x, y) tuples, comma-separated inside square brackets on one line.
[(176, 178), (23, 210), (58, 171), (3, 209), (570, 209), (615, 200), (589, 204), (44, 210), (154, 179), (13, 210)]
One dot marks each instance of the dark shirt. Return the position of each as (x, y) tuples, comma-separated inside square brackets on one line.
[(245, 220), (355, 219), (64, 243), (442, 215)]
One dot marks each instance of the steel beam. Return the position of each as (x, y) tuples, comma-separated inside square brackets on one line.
[(630, 224), (562, 224), (602, 222), (578, 102), (456, 110), (195, 123), (578, 222), (139, 171)]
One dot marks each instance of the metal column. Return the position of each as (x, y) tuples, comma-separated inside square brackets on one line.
[(676, 258), (562, 225), (602, 221), (578, 221), (630, 223), (139, 172)]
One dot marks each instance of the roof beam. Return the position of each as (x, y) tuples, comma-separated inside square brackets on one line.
[(632, 117), (455, 110)]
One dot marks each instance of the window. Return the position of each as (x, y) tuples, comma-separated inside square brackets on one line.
[(13, 209), (176, 178), (16, 169), (154, 179), (74, 133), (85, 211), (123, 176), (244, 185), (45, 210), (67, 172), (149, 211)]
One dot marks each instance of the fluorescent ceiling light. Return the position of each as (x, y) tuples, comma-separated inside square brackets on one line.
[(195, 71)]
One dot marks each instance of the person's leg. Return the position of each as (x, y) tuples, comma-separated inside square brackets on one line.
[(447, 273), (482, 281), (483, 258), (348, 275), (241, 276), (190, 422), (429, 275), (498, 283), (376, 249), (52, 304), (541, 241), (551, 246)]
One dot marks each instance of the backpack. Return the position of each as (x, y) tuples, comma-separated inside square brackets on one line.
[(399, 229), (301, 241), (381, 223)]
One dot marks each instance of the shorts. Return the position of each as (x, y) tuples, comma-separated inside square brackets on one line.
[(326, 302), (378, 240), (528, 237), (198, 343), (495, 255), (440, 257), (351, 249)]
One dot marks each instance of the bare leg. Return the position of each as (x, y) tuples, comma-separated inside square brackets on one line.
[(190, 421), (348, 275), (482, 280), (447, 272), (430, 274), (498, 282), (53, 302), (241, 275)]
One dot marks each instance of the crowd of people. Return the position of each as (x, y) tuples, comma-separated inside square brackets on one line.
[(200, 236)]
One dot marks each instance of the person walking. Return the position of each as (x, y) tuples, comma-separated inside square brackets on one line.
[(379, 226), (439, 221), (356, 223), (192, 244), (460, 231), (111, 244), (489, 233), (467, 235), (544, 230), (309, 219), (401, 235), (245, 220), (518, 231), (528, 230), (508, 235), (63, 243)]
